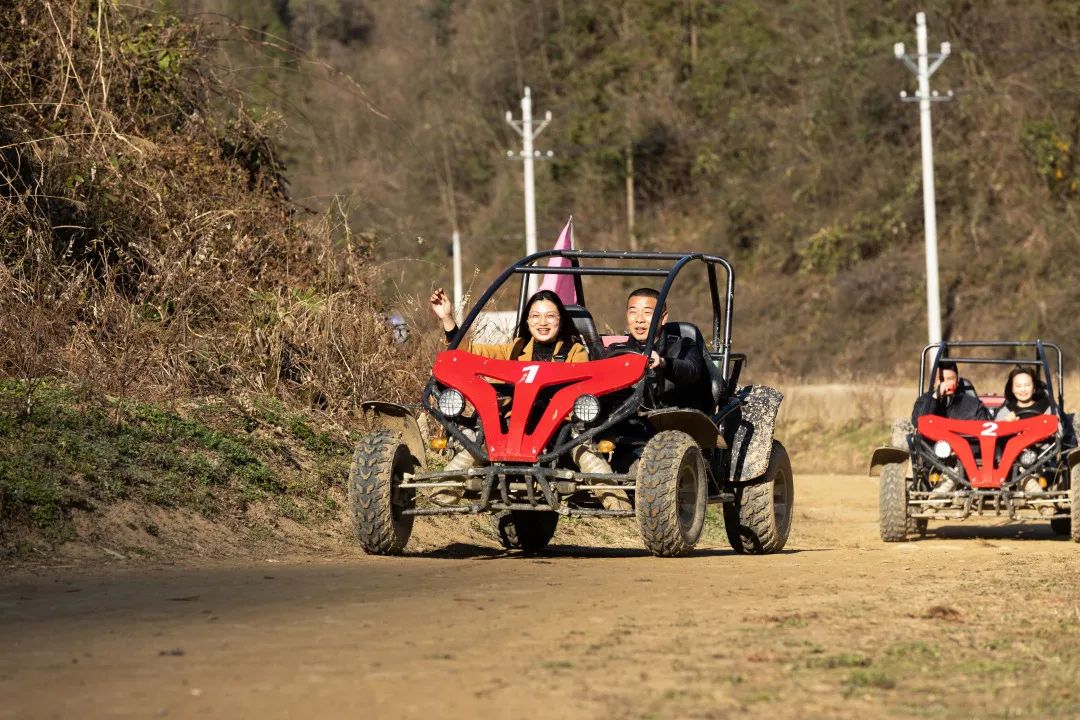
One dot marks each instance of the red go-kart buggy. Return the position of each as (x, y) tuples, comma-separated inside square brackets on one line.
[(1027, 469), (526, 426)]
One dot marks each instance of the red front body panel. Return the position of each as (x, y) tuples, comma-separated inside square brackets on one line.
[(467, 372), (1021, 434)]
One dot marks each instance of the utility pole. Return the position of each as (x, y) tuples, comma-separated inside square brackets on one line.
[(527, 155), (630, 229), (924, 65), (459, 292)]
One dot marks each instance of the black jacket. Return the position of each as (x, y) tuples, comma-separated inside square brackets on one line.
[(961, 406), (684, 368)]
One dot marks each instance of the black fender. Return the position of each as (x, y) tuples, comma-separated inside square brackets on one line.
[(398, 418), (694, 423), (1074, 457), (886, 456), (748, 431)]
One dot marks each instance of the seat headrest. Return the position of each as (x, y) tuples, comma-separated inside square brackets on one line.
[(684, 330), (586, 328)]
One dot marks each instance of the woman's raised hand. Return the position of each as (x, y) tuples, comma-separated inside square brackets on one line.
[(440, 304)]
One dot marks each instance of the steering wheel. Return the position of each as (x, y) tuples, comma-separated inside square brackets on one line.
[(619, 352), (653, 379)]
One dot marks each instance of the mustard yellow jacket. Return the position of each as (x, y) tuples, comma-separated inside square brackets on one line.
[(522, 351)]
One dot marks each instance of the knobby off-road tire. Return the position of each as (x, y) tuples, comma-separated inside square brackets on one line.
[(893, 517), (374, 498), (670, 494), (758, 521), (527, 530)]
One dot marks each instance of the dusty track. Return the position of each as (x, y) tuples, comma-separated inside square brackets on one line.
[(840, 626)]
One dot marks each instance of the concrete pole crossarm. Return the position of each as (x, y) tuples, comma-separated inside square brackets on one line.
[(528, 157)]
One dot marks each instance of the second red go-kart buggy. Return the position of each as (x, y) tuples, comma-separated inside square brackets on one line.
[(523, 423), (953, 469)]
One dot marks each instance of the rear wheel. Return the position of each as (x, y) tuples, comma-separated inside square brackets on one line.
[(758, 521), (1061, 526), (893, 503), (526, 530), (670, 494), (376, 501)]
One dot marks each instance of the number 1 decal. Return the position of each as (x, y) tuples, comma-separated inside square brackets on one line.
[(528, 373), (989, 429)]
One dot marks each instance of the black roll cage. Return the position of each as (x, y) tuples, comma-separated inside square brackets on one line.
[(926, 383), (721, 324)]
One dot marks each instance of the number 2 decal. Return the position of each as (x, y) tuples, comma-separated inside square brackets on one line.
[(989, 429), (528, 373)]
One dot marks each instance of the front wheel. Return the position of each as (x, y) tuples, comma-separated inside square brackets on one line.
[(376, 501), (670, 494), (758, 521), (893, 503), (527, 530)]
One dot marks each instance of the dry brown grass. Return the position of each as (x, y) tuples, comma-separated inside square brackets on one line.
[(149, 246)]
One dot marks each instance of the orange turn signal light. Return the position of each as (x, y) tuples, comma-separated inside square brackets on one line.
[(438, 443), (605, 446)]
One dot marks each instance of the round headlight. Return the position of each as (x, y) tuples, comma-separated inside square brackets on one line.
[(1028, 458), (942, 449), (450, 402), (587, 408)]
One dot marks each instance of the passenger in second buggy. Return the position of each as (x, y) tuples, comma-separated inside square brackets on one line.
[(1025, 396)]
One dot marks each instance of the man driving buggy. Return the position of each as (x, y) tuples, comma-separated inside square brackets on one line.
[(677, 359), (949, 398)]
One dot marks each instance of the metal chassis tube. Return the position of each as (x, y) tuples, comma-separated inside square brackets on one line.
[(495, 478), (974, 502)]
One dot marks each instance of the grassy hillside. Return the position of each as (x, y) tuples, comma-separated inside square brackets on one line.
[(152, 261), (243, 464)]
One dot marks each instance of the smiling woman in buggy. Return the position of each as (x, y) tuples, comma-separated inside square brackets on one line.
[(544, 333), (1025, 396)]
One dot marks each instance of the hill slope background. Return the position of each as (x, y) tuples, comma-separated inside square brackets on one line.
[(771, 132)]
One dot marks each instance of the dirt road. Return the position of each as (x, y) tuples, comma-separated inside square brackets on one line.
[(966, 623)]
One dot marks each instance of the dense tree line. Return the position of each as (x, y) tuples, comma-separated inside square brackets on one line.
[(769, 131)]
